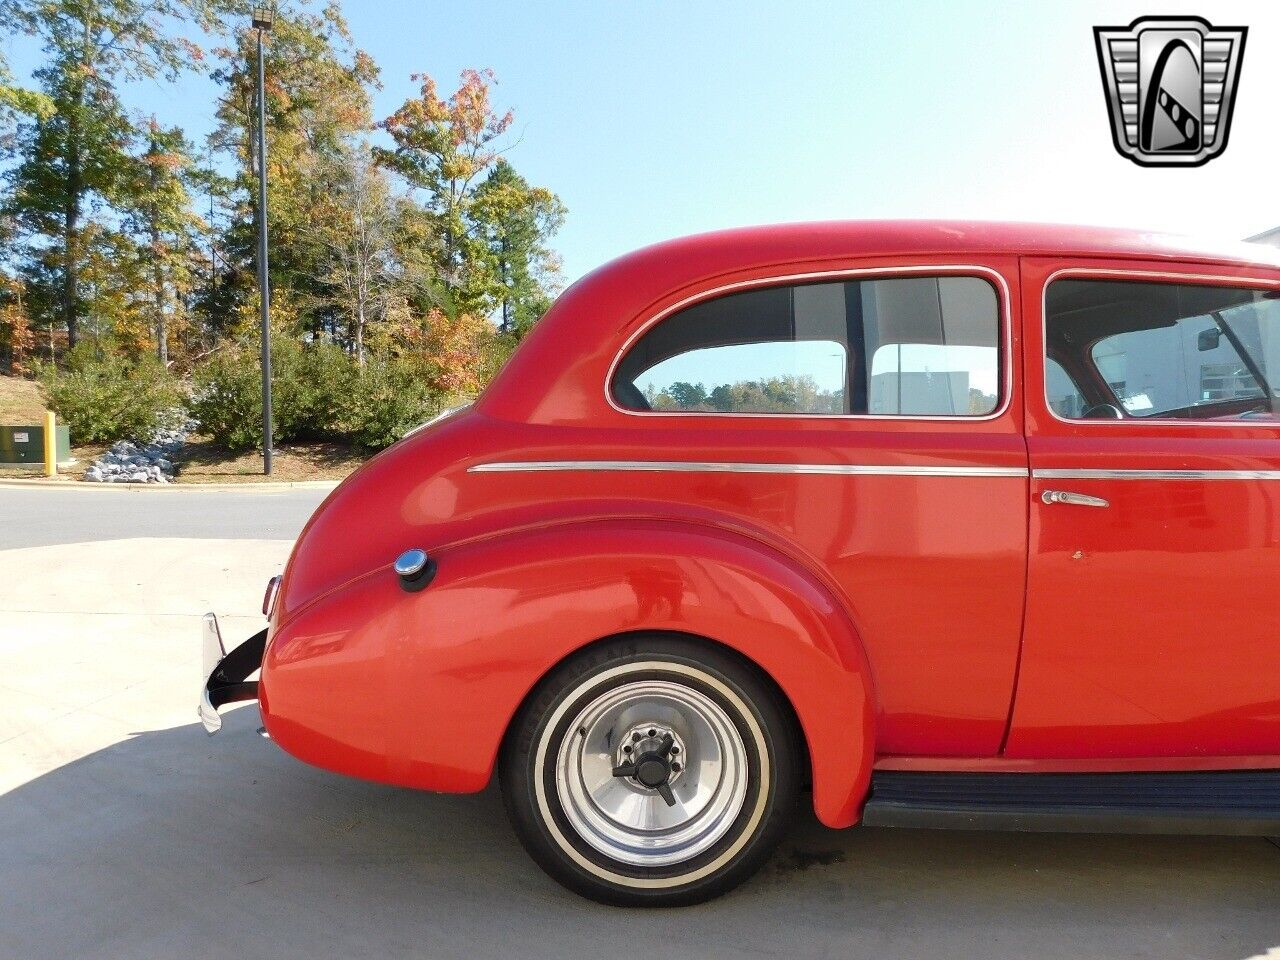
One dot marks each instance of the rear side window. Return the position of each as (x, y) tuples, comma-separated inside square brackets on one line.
[(919, 346), (1180, 351)]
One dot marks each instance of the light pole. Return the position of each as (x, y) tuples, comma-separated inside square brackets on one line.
[(262, 20)]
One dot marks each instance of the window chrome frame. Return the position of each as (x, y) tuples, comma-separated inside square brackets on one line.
[(1004, 310), (1153, 276), (1071, 473)]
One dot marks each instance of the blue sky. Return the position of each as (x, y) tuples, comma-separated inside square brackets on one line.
[(657, 119)]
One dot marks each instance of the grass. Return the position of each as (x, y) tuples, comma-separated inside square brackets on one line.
[(20, 402), (203, 461)]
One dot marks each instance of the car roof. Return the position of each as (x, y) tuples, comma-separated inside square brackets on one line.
[(544, 383), (854, 238)]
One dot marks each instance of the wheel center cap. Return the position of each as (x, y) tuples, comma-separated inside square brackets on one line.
[(652, 771)]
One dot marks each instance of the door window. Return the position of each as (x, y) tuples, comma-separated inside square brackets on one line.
[(1182, 351)]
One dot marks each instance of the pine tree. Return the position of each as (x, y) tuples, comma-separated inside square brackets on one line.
[(516, 222), (75, 159), (72, 164), (168, 231)]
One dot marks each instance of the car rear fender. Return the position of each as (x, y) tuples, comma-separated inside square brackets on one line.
[(441, 673)]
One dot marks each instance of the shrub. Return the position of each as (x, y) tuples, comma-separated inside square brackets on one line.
[(388, 398), (308, 397), (104, 395), (310, 390), (226, 398), (318, 392)]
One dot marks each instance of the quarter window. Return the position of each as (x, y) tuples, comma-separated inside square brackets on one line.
[(1180, 351), (919, 346), (1064, 396)]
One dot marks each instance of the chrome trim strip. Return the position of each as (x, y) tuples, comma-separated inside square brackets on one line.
[(696, 466), (1055, 474), (1156, 276), (991, 274)]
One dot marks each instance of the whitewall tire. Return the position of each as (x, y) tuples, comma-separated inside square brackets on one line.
[(651, 770)]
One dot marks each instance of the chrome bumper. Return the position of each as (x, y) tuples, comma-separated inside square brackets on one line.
[(226, 673)]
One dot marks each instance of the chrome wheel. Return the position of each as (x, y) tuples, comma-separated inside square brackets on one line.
[(651, 770), (651, 773)]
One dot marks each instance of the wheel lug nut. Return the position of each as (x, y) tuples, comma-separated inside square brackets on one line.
[(635, 736), (627, 748), (674, 751), (653, 733), (675, 767)]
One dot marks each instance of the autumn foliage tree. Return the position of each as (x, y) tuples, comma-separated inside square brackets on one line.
[(442, 149), (73, 152), (17, 339), (408, 254), (489, 228), (319, 88)]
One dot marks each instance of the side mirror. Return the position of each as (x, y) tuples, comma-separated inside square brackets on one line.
[(1209, 339)]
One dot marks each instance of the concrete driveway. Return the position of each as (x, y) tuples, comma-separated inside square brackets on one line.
[(126, 832)]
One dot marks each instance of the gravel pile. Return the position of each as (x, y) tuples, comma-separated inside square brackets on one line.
[(128, 462)]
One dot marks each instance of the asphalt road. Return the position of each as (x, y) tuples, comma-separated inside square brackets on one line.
[(125, 832), (35, 517)]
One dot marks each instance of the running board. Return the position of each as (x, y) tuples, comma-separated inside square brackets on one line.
[(1229, 802)]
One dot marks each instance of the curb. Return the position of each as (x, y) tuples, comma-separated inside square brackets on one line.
[(268, 486)]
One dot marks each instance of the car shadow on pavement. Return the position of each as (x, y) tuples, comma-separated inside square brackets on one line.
[(171, 843)]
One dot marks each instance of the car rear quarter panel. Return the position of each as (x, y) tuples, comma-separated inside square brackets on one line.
[(419, 689)]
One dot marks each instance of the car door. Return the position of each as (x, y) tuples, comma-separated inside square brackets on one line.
[(903, 478), (1152, 628)]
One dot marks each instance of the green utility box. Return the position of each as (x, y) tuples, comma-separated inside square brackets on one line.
[(24, 446)]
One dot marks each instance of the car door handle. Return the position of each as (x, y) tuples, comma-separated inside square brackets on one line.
[(1075, 499)]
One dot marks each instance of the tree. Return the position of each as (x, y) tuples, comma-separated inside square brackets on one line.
[(785, 394), (16, 101), (318, 104), (688, 395), (450, 353), (112, 276), (442, 148), (356, 229), (517, 221), (79, 151), (71, 164), (17, 339), (162, 218)]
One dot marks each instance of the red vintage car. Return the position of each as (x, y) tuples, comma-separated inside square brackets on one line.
[(953, 524)]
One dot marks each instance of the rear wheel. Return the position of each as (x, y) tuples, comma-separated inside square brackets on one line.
[(651, 771)]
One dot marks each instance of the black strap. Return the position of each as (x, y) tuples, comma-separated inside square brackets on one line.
[(227, 683)]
